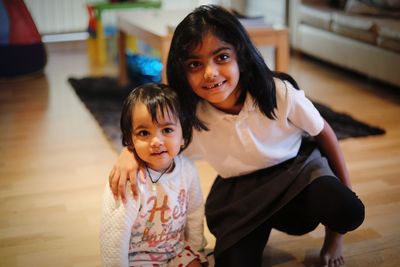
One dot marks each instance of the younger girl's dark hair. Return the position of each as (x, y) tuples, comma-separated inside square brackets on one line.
[(255, 77), (159, 99)]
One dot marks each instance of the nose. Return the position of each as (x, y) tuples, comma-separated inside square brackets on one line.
[(211, 71), (156, 142)]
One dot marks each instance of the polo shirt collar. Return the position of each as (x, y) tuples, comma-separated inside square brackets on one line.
[(211, 115)]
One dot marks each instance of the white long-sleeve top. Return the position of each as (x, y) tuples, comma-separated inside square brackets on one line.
[(157, 226)]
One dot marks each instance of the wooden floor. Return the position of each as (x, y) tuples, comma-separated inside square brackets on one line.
[(54, 162)]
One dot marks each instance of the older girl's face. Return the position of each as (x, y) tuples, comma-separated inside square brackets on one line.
[(213, 73)]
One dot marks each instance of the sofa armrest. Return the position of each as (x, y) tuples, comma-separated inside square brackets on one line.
[(294, 16), (320, 11), (294, 20)]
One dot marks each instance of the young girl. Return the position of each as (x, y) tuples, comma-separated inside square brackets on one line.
[(164, 225), (249, 124)]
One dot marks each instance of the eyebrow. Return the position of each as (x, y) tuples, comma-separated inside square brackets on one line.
[(141, 126), (215, 52), (167, 124)]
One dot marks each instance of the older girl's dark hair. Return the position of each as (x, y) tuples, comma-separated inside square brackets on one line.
[(255, 77), (159, 99)]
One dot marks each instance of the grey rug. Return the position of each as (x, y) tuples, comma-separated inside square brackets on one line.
[(103, 97)]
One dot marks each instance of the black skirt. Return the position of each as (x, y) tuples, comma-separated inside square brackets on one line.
[(236, 206)]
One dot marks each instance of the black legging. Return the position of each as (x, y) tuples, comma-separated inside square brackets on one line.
[(326, 200)]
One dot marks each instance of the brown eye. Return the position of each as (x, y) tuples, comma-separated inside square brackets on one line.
[(193, 65), (143, 133), (223, 57), (168, 130)]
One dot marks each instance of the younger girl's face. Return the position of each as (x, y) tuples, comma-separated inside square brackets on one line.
[(213, 73), (156, 143)]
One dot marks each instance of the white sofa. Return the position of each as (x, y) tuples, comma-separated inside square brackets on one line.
[(367, 44)]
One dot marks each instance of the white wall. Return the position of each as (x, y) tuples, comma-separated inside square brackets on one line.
[(178, 4), (64, 16), (59, 16), (189, 4), (274, 11)]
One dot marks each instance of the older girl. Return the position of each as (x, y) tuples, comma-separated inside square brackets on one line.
[(249, 124)]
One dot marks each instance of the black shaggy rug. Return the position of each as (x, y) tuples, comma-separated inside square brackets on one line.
[(103, 97)]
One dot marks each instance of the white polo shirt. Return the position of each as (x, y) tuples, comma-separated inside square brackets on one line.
[(243, 143)]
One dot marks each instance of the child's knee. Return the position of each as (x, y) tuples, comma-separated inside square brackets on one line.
[(351, 216), (355, 214)]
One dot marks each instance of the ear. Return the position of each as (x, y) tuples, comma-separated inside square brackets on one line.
[(132, 149), (182, 143)]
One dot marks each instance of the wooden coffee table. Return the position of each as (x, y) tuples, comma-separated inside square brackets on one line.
[(155, 26)]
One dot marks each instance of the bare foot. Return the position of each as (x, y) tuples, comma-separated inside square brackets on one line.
[(331, 254)]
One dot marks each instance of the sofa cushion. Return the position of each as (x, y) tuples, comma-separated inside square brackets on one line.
[(361, 35), (364, 23), (383, 8), (357, 27), (388, 43), (389, 28), (317, 16), (382, 3), (388, 34)]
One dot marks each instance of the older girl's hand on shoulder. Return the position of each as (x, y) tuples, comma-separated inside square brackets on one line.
[(125, 168)]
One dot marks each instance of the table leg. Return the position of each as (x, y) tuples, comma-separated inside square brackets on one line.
[(165, 45), (282, 53), (122, 64)]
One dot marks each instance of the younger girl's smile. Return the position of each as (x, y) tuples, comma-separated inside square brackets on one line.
[(159, 154)]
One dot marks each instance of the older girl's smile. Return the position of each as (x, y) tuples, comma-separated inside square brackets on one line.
[(213, 73)]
